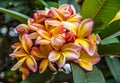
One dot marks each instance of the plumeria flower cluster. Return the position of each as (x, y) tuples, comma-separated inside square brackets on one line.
[(52, 38)]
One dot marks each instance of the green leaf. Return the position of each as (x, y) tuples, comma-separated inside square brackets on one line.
[(73, 2), (109, 49), (100, 9), (21, 17), (52, 4), (114, 66), (103, 10), (44, 3), (81, 76), (39, 78), (111, 29), (109, 40)]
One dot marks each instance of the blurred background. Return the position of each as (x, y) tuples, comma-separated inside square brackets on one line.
[(8, 36)]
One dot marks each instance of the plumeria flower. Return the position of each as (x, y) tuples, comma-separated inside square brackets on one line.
[(42, 53), (86, 62), (85, 38), (67, 52), (52, 38), (24, 55)]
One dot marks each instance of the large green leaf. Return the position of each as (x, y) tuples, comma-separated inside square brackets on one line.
[(100, 9), (114, 66), (109, 49), (39, 78), (73, 2), (81, 76), (21, 17), (110, 30)]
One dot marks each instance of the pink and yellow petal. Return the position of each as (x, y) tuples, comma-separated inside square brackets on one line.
[(37, 53), (18, 54), (57, 30), (67, 10), (51, 66), (87, 46), (92, 59), (42, 42), (54, 56), (61, 61), (44, 34), (23, 28), (33, 35), (85, 28), (37, 26), (69, 26), (55, 13), (85, 65), (26, 43), (57, 42), (16, 45), (18, 64), (51, 23), (43, 65), (75, 18), (93, 39), (71, 46), (71, 55), (25, 72), (31, 64)]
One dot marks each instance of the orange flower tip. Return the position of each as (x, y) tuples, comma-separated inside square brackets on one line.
[(34, 70), (15, 45), (39, 26), (41, 71), (22, 28), (30, 20)]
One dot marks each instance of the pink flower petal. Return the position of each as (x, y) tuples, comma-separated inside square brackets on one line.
[(87, 46), (57, 42), (23, 28), (26, 43), (70, 55), (92, 59), (85, 28), (54, 56), (55, 13), (71, 46), (69, 26), (61, 61), (44, 34), (31, 64), (18, 54)]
